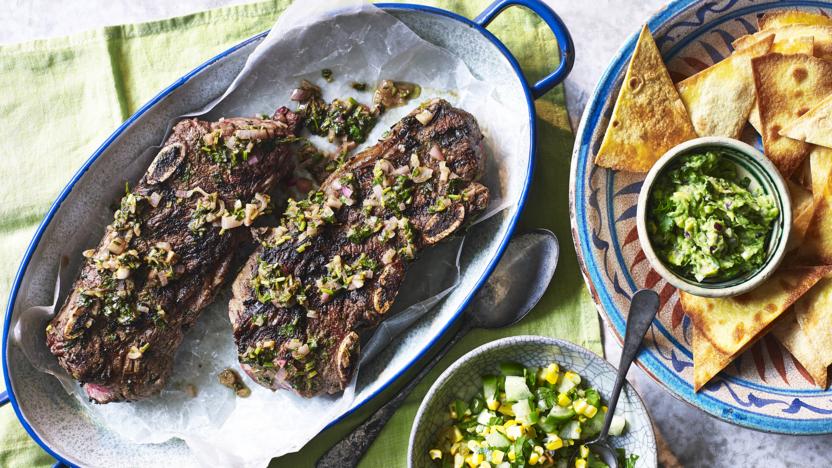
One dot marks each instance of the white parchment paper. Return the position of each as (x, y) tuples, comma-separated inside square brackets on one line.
[(358, 42)]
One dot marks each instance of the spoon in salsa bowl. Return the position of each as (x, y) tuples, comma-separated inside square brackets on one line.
[(643, 309)]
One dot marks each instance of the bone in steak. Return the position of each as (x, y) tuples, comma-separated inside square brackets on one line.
[(330, 272), (167, 252)]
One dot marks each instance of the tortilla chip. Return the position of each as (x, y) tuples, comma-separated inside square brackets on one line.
[(707, 360), (794, 45), (780, 18), (789, 333), (787, 87), (817, 243), (719, 98), (731, 323), (649, 118), (822, 36), (803, 211), (814, 314), (814, 126)]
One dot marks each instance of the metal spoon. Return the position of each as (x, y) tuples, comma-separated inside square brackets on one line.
[(643, 309), (516, 285)]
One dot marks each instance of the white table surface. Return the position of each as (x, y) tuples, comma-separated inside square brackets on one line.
[(598, 28)]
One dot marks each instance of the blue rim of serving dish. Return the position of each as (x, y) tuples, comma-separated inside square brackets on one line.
[(510, 341), (647, 359), (531, 92)]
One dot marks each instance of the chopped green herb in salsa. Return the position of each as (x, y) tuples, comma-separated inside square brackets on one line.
[(705, 221)]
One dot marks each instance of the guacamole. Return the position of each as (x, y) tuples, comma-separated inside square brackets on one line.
[(705, 223)]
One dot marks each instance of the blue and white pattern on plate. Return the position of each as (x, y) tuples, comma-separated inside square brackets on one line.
[(463, 379), (764, 388)]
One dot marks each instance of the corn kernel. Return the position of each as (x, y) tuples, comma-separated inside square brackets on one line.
[(435, 454), (533, 458), (579, 405), (511, 455), (457, 434), (551, 373), (474, 460), (538, 449), (506, 410), (514, 432), (455, 448), (554, 442), (497, 456), (511, 422), (590, 411), (584, 451), (580, 463), (604, 408), (492, 405), (564, 400), (575, 378)]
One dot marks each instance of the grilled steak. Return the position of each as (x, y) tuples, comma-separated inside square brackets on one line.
[(332, 269), (167, 252)]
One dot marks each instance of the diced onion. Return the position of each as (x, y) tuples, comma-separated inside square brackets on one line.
[(122, 273), (436, 152), (209, 139), (154, 199), (414, 161), (117, 245), (401, 171), (424, 117), (293, 344), (388, 256), (425, 173), (333, 202), (444, 172), (230, 222), (252, 134), (251, 214)]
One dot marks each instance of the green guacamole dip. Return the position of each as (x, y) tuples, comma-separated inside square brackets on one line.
[(705, 223)]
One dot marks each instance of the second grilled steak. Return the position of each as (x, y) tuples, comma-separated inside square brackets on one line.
[(167, 252), (333, 268)]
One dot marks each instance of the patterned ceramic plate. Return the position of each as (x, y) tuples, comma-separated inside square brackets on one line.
[(764, 388), (464, 379)]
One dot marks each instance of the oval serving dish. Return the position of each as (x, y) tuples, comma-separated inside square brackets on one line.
[(751, 164), (463, 379), (764, 389), (59, 424)]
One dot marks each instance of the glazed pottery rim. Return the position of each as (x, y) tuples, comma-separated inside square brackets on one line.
[(508, 342), (775, 185), (655, 362)]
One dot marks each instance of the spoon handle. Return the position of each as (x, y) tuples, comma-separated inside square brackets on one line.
[(643, 309), (350, 449)]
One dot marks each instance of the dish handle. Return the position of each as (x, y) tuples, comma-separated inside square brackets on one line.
[(562, 36)]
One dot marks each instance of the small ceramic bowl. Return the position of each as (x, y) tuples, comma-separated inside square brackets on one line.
[(463, 380), (763, 174)]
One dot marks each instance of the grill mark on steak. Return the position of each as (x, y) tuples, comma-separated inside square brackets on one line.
[(308, 339), (129, 355)]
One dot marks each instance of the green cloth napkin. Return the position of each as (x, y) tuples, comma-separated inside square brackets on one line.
[(62, 97)]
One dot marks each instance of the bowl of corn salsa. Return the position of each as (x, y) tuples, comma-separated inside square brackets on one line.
[(527, 401)]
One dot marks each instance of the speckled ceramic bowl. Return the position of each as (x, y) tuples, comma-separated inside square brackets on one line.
[(751, 164), (463, 380)]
